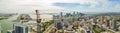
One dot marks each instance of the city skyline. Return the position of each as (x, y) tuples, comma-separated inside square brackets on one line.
[(59, 16)]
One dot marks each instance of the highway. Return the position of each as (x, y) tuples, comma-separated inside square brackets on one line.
[(49, 29)]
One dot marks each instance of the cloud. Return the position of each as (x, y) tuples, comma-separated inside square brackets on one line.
[(67, 5), (117, 6), (82, 5), (26, 6)]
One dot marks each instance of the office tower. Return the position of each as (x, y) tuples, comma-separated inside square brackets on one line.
[(61, 16), (108, 23), (19, 28), (58, 25), (113, 24)]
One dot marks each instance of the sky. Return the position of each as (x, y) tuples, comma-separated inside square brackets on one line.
[(54, 6)]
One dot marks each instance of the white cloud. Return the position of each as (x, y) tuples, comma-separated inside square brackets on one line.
[(117, 6), (31, 5), (26, 6)]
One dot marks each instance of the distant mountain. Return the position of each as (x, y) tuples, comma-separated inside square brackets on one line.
[(110, 13), (100, 12), (5, 15)]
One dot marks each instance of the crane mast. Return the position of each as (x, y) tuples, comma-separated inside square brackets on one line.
[(38, 17), (38, 20)]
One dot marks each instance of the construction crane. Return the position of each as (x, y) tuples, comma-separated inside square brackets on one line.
[(38, 20)]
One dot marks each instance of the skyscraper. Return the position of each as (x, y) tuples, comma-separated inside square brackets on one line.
[(58, 25), (19, 28), (114, 25)]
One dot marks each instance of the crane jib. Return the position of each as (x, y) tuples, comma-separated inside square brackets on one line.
[(38, 17)]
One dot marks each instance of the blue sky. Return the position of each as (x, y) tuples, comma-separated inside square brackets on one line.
[(28, 6), (72, 5), (110, 4), (67, 5)]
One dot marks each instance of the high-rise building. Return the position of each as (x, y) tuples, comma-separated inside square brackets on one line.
[(113, 24), (108, 23), (59, 25), (19, 28)]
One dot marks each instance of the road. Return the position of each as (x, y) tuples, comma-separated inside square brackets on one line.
[(49, 29)]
